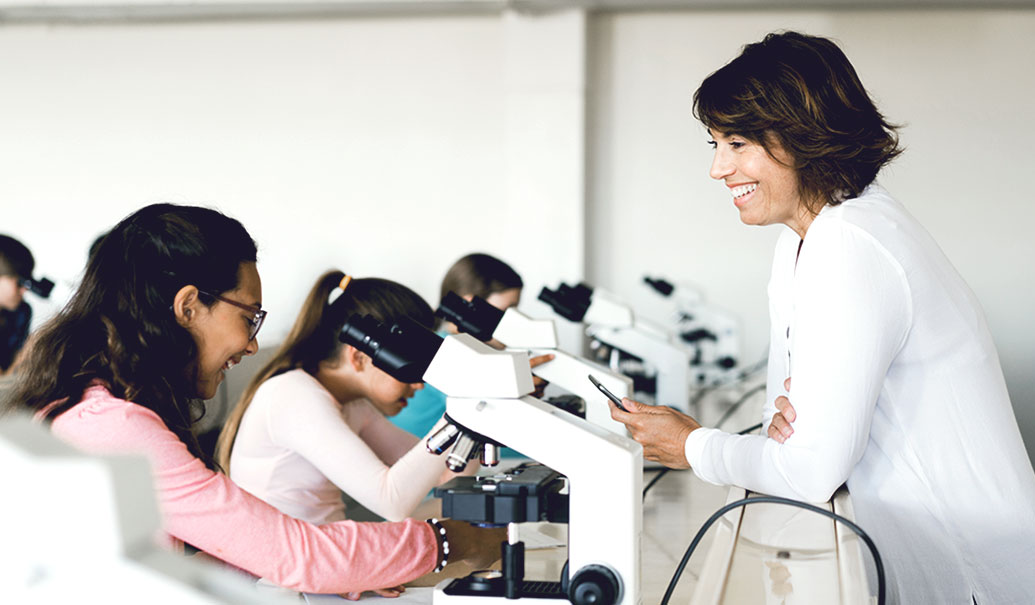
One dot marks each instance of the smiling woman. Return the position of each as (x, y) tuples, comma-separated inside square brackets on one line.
[(170, 301), (762, 181), (897, 388)]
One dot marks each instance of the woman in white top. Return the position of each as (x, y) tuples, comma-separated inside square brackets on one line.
[(312, 423), (897, 388)]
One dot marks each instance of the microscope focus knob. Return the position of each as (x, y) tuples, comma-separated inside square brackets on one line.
[(594, 585)]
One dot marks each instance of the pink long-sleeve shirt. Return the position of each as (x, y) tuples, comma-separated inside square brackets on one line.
[(209, 511)]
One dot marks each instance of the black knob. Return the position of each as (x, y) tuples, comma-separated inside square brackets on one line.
[(594, 585)]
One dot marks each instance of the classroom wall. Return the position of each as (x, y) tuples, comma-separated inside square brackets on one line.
[(562, 143), (379, 146)]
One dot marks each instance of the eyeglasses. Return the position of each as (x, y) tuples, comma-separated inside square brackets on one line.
[(256, 321)]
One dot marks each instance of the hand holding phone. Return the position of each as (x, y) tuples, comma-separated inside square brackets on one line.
[(614, 399)]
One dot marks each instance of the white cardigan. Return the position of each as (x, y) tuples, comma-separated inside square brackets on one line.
[(898, 391), (298, 448)]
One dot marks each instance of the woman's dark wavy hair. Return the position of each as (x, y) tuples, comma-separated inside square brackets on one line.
[(119, 327), (802, 93), (314, 337)]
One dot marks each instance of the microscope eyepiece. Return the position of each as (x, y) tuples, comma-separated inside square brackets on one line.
[(40, 287), (404, 350), (570, 303), (475, 317), (660, 285)]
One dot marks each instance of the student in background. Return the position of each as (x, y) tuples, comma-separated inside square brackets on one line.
[(478, 275), (312, 423), (16, 265), (170, 301)]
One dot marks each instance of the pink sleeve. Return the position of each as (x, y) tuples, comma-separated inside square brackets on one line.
[(210, 512)]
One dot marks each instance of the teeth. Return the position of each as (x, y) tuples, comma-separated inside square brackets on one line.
[(742, 190), (229, 364)]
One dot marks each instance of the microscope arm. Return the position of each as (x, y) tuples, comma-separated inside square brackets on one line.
[(604, 471), (572, 374)]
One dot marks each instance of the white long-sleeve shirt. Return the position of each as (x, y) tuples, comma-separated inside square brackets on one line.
[(898, 391), (298, 448)]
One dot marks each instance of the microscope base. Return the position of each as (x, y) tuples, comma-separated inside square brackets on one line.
[(486, 587)]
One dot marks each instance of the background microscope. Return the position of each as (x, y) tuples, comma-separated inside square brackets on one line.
[(488, 406), (711, 333), (517, 331), (639, 349)]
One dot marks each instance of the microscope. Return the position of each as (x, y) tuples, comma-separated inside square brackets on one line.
[(517, 331), (710, 332), (49, 556), (40, 287), (659, 367), (487, 406)]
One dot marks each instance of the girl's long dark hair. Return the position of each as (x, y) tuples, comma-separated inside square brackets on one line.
[(119, 327), (314, 337)]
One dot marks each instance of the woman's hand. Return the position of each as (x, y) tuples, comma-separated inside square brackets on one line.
[(390, 593), (540, 384), (780, 428), (661, 430)]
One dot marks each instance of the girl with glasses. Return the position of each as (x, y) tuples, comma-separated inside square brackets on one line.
[(169, 302)]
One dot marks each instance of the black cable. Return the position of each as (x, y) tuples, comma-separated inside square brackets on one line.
[(661, 473), (750, 429), (736, 405), (778, 500)]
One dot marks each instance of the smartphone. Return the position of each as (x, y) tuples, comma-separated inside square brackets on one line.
[(610, 395)]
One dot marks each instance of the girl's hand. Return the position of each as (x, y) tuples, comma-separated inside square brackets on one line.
[(661, 430), (390, 593), (478, 547), (540, 384), (780, 428)]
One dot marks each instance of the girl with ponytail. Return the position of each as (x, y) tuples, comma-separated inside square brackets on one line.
[(312, 423)]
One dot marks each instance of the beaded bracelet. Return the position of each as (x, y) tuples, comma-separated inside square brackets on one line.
[(443, 543)]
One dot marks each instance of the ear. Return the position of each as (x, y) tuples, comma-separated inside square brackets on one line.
[(355, 358), (186, 306)]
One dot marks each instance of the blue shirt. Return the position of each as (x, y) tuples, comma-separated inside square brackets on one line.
[(422, 411)]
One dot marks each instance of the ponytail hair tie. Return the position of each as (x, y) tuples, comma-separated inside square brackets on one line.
[(338, 291)]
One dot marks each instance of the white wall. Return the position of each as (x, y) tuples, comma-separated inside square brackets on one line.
[(961, 81), (379, 146), (391, 146)]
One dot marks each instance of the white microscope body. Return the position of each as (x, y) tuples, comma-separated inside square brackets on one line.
[(82, 528), (611, 323), (487, 393), (487, 405), (518, 332)]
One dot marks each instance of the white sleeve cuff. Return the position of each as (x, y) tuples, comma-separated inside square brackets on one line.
[(693, 449)]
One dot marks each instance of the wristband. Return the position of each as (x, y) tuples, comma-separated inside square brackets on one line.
[(443, 544)]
